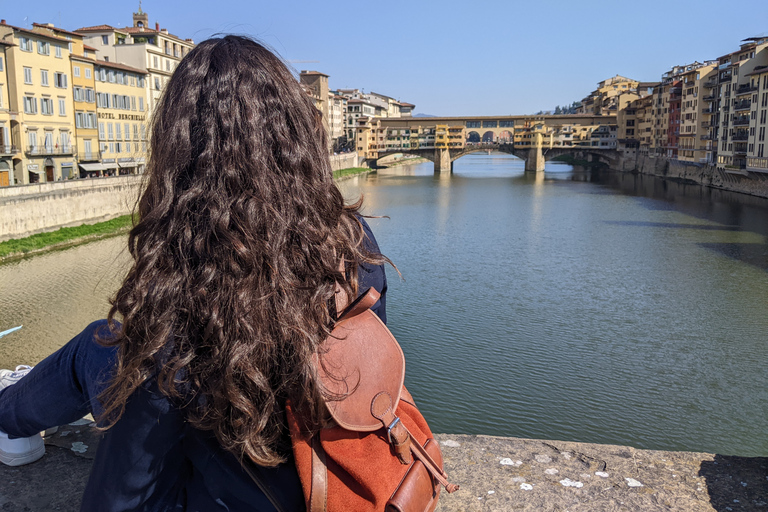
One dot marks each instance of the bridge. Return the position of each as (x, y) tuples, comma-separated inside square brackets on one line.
[(535, 157), (535, 139)]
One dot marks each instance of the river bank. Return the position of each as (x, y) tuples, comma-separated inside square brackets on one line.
[(495, 473), (62, 238)]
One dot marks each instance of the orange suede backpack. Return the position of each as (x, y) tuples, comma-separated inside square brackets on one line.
[(379, 454)]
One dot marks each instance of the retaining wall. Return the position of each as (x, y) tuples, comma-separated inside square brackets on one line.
[(736, 181), (30, 209), (344, 161)]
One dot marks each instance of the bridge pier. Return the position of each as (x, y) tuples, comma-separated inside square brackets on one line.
[(535, 161), (443, 160)]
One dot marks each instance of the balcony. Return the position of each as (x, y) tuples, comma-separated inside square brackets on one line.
[(687, 134), (740, 136), (709, 110), (90, 156), (710, 97), (742, 105), (745, 89), (711, 83), (739, 149), (708, 136), (741, 121), (8, 150), (45, 150)]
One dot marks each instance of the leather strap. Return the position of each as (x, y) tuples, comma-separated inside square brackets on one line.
[(398, 435), (318, 495), (265, 489)]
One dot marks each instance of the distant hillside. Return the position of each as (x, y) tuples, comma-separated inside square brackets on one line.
[(424, 115)]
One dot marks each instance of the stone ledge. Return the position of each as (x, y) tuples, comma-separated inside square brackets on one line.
[(495, 474)]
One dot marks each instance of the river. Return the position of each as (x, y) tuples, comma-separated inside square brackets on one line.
[(590, 307)]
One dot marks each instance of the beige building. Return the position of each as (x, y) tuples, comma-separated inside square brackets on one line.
[(695, 143), (739, 103), (41, 101), (82, 60), (8, 147), (757, 158), (140, 47), (605, 99), (122, 119)]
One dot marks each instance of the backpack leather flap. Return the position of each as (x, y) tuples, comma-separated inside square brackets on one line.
[(359, 360)]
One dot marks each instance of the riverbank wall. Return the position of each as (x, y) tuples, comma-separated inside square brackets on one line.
[(755, 184), (29, 209), (494, 473)]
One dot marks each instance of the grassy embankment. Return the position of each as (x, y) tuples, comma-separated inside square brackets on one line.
[(67, 237), (64, 237)]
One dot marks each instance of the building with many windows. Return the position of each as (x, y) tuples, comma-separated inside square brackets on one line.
[(152, 49), (40, 96), (757, 158), (7, 145), (121, 102)]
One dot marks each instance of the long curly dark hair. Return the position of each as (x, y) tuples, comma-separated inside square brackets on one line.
[(236, 251)]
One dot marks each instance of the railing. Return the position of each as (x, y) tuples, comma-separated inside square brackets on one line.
[(707, 137), (8, 150), (741, 121), (91, 155), (740, 136), (745, 89), (710, 97), (742, 105), (45, 150), (708, 111), (710, 83)]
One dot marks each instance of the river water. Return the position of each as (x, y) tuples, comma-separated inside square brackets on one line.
[(588, 307)]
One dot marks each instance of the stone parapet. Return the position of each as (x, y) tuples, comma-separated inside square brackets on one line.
[(495, 474)]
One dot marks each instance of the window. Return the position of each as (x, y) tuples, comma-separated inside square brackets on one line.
[(46, 106), (141, 104), (102, 100), (120, 77), (154, 61), (1, 63), (48, 142), (85, 120), (111, 147), (88, 73), (87, 148), (78, 93), (28, 75), (62, 107), (133, 102), (32, 139), (103, 74), (111, 76), (30, 105), (157, 84), (43, 48), (101, 131), (143, 132), (141, 82), (58, 51), (76, 71), (135, 132), (127, 131), (110, 134), (105, 40), (167, 65), (118, 131), (60, 80), (90, 95), (25, 44)]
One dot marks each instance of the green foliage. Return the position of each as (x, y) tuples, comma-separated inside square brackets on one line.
[(43, 240)]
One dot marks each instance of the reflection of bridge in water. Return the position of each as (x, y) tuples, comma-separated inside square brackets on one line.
[(534, 139)]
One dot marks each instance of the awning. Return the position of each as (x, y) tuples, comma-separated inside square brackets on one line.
[(97, 166), (127, 163)]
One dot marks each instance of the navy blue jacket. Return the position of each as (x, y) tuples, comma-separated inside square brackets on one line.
[(151, 459)]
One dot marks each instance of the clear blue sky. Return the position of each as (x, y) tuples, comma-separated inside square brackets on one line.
[(450, 57)]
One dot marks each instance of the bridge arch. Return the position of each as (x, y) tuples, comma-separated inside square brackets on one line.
[(489, 136), (473, 137), (506, 136)]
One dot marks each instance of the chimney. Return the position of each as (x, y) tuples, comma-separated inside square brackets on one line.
[(2, 22), (164, 31), (157, 26)]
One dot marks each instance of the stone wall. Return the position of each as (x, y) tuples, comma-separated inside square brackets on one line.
[(736, 181), (30, 209), (344, 161)]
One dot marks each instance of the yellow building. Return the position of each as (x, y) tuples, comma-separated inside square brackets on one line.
[(757, 157), (122, 114), (40, 92), (82, 59), (605, 99), (7, 145)]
